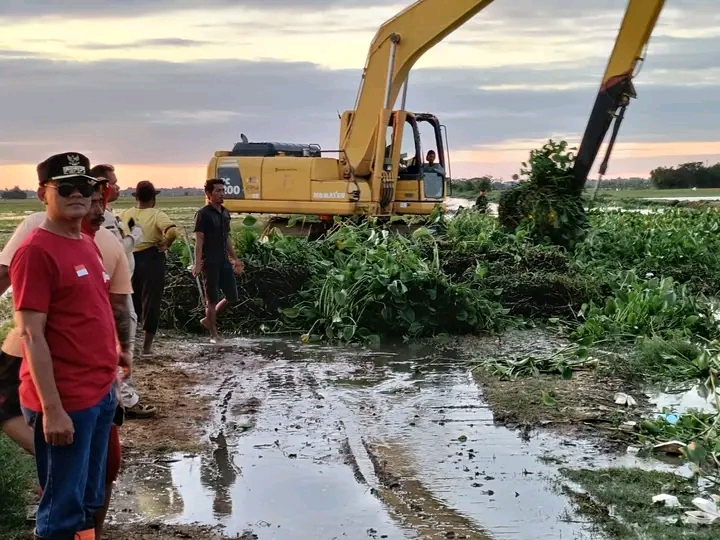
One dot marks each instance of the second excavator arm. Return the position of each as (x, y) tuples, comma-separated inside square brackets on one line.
[(616, 88), (397, 46)]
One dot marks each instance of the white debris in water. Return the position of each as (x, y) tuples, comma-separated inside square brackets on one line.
[(707, 513), (668, 500), (670, 447), (625, 399)]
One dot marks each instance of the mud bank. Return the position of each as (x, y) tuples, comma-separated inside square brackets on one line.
[(302, 441)]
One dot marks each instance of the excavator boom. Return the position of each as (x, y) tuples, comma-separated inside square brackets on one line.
[(398, 44), (616, 88)]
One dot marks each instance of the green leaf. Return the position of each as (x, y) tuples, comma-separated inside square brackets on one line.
[(408, 314), (415, 328), (397, 288), (566, 372), (548, 400), (340, 297), (349, 332), (373, 339), (291, 312), (249, 221)]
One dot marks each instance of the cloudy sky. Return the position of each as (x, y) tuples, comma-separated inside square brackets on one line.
[(156, 86)]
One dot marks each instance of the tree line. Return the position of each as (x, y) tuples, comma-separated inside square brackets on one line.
[(694, 174), (687, 176)]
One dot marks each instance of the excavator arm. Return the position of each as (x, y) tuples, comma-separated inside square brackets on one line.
[(397, 46), (616, 89)]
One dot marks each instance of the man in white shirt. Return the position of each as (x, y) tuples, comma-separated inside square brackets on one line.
[(130, 398)]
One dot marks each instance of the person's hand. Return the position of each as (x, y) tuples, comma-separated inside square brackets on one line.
[(125, 361), (116, 385), (238, 266), (57, 427), (197, 268)]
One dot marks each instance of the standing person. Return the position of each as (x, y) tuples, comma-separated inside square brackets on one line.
[(215, 256), (115, 264), (134, 408), (67, 381), (481, 203), (159, 232)]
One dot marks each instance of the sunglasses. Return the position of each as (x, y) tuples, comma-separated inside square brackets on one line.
[(67, 188)]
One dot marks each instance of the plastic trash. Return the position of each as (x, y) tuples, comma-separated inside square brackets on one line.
[(625, 399), (668, 500), (670, 418), (707, 512), (670, 447)]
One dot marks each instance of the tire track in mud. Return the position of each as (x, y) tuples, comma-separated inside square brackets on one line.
[(411, 502), (295, 413)]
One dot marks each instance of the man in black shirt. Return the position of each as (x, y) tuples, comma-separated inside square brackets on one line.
[(215, 256)]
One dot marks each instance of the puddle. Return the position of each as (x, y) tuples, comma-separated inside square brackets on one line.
[(307, 441), (680, 402)]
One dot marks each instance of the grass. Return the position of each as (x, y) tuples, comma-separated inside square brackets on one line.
[(179, 209), (619, 500), (658, 193), (34, 205), (16, 477)]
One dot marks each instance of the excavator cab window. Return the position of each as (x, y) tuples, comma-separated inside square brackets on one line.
[(433, 175), (410, 160)]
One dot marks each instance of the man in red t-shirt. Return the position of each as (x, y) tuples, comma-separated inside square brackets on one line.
[(67, 393)]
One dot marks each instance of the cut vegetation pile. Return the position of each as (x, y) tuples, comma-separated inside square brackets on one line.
[(546, 204)]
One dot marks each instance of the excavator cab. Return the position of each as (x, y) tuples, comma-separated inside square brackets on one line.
[(418, 180)]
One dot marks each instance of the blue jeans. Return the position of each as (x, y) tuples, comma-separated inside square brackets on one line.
[(72, 477)]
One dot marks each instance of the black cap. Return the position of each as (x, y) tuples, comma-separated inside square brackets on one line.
[(64, 167), (145, 191)]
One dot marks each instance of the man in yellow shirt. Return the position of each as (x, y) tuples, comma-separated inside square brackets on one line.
[(159, 232)]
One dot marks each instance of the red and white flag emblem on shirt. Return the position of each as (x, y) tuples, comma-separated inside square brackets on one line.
[(81, 271)]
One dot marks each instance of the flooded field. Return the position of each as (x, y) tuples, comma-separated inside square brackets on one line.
[(320, 442)]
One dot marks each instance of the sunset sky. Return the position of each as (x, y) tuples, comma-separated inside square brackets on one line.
[(156, 86)]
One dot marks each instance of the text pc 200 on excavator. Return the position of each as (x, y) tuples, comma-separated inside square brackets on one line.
[(380, 168)]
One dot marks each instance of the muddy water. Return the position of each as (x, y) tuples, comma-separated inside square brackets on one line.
[(314, 442)]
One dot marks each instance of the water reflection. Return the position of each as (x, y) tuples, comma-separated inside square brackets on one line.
[(218, 474)]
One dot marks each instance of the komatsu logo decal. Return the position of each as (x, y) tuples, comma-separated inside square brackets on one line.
[(329, 195)]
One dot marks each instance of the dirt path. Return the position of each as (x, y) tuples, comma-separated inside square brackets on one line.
[(285, 441), (176, 382)]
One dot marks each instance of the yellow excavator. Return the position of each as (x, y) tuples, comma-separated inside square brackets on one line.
[(371, 174)]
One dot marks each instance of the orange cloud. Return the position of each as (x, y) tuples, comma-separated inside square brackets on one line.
[(163, 176)]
